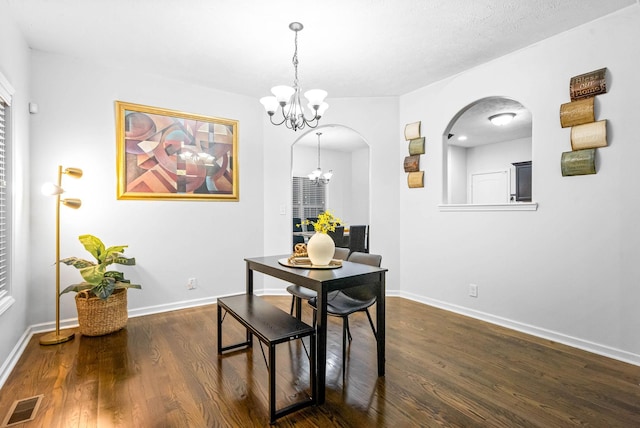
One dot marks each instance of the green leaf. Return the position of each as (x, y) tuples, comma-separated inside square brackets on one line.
[(93, 274), (93, 245), (125, 261), (117, 276), (126, 284), (77, 263), (105, 288), (77, 287), (116, 249)]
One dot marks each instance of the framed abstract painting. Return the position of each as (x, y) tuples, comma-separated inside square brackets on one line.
[(170, 155)]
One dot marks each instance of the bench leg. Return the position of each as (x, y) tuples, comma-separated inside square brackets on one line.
[(272, 383), (248, 343), (312, 368), (219, 324)]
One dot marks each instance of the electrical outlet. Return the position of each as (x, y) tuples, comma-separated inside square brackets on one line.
[(191, 284), (473, 290)]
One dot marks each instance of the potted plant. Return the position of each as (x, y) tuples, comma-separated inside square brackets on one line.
[(321, 247), (101, 298)]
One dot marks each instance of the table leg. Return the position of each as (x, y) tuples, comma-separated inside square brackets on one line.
[(298, 305), (380, 323), (249, 279), (249, 289), (321, 333)]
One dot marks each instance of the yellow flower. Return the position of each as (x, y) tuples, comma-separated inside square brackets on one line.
[(327, 222)]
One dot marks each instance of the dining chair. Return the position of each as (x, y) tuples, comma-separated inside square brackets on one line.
[(297, 227), (337, 236), (358, 241), (299, 293), (351, 300)]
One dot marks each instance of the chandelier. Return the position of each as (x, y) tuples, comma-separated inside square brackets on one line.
[(288, 98), (316, 176)]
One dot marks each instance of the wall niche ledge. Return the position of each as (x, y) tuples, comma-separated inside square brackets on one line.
[(520, 206)]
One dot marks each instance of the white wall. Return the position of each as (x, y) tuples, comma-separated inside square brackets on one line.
[(360, 188), (171, 240), (457, 175), (570, 270), (14, 65)]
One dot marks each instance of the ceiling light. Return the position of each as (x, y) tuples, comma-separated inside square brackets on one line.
[(502, 118), (462, 138), (316, 176), (288, 98)]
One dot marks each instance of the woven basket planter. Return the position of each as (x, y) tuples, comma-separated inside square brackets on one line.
[(98, 317)]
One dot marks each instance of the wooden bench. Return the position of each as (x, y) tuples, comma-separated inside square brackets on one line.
[(271, 326)]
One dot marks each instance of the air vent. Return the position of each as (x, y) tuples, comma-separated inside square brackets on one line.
[(22, 411)]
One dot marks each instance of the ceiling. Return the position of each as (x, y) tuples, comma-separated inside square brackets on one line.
[(474, 123), (355, 48)]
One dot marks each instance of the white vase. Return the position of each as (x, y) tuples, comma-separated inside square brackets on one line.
[(320, 249)]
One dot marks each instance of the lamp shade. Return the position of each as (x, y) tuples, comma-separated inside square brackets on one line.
[(282, 93), (270, 104), (315, 174), (73, 172), (71, 203), (315, 96), (50, 189)]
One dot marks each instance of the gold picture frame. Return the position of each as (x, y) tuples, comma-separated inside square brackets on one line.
[(171, 155)]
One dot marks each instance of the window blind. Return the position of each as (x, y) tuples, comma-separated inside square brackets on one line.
[(4, 260), (308, 200)]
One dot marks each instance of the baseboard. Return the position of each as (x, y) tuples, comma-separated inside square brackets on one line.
[(14, 356), (158, 309), (585, 345)]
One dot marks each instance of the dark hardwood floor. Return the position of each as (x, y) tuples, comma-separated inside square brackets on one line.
[(442, 369)]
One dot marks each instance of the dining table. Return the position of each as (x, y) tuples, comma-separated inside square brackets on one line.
[(324, 280)]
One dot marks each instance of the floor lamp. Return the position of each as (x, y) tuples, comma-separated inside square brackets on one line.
[(56, 190)]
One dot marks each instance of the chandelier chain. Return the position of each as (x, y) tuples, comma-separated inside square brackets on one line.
[(318, 134), (295, 61)]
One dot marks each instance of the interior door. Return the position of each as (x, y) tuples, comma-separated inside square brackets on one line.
[(490, 187)]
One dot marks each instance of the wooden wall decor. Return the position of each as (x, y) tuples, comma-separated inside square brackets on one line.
[(577, 112), (588, 84), (411, 131), (586, 134), (415, 179), (416, 146), (578, 162), (412, 163), (589, 135)]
